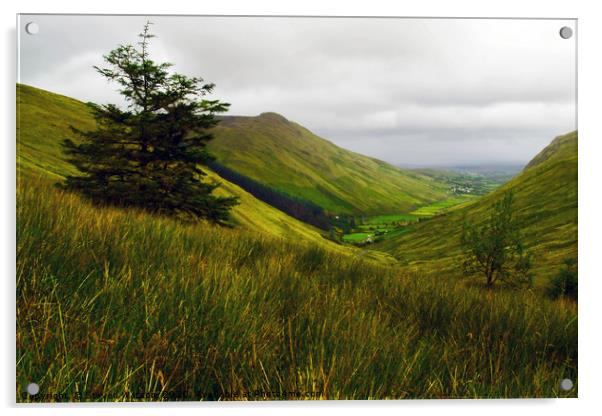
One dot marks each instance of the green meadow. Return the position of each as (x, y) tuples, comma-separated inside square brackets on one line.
[(356, 237), (369, 228), (389, 219), (440, 206)]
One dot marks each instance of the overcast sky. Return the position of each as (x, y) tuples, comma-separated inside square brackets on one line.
[(420, 92)]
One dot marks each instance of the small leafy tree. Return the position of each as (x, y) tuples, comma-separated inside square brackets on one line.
[(149, 154), (494, 249), (565, 282)]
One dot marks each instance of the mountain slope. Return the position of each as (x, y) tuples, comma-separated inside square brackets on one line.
[(545, 205), (43, 121), (562, 147), (284, 155)]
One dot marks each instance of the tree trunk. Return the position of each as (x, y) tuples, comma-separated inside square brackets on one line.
[(489, 279)]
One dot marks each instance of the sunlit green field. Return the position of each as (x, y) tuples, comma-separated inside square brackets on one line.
[(427, 210), (355, 237), (440, 206), (391, 218), (390, 225)]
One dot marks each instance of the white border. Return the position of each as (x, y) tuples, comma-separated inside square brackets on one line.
[(590, 120)]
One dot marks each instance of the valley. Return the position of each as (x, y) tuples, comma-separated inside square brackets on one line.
[(333, 198), (546, 199), (366, 230), (337, 273)]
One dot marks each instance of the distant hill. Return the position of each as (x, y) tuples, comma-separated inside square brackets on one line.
[(43, 120), (545, 205), (286, 156)]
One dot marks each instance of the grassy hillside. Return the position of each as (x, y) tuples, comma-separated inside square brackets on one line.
[(43, 122), (282, 154), (117, 304), (545, 205), (257, 216), (561, 148)]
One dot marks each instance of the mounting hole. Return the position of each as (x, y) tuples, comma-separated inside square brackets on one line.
[(566, 32), (32, 28), (566, 384), (33, 389)]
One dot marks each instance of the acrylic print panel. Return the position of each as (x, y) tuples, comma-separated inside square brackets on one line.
[(286, 208)]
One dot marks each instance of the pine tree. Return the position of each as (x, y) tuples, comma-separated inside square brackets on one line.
[(148, 154)]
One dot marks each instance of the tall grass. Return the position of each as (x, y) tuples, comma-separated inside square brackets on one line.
[(121, 305)]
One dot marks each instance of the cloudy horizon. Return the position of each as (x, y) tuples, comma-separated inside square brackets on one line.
[(414, 92)]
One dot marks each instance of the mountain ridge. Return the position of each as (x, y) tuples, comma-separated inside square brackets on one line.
[(556, 149), (290, 158)]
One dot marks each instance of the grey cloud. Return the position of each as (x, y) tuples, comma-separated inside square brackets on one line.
[(424, 91)]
